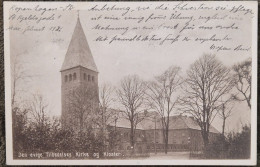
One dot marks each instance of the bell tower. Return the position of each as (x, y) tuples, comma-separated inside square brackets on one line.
[(79, 81)]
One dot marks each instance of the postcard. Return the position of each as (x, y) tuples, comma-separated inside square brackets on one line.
[(131, 83)]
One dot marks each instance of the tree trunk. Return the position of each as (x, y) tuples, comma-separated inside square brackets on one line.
[(164, 134), (132, 136), (166, 138), (223, 126), (205, 139), (166, 142)]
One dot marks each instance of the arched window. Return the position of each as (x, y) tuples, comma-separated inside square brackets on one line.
[(70, 77), (66, 78), (88, 77), (92, 78), (85, 76), (74, 76)]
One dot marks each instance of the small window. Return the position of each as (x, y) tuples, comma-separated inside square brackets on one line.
[(85, 76), (92, 78), (128, 148), (74, 76), (88, 77), (70, 77), (66, 78)]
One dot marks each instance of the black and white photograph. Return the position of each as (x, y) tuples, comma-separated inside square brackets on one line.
[(138, 83)]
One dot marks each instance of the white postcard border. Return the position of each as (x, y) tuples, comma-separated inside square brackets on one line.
[(9, 143)]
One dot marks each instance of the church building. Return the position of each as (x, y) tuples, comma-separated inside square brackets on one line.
[(79, 97)]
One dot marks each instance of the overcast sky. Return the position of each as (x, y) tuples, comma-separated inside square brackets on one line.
[(42, 57)]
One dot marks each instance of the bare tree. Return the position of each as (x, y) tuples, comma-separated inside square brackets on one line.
[(18, 74), (83, 106), (106, 114), (225, 111), (38, 110), (207, 81), (131, 96), (106, 99), (243, 76), (162, 97)]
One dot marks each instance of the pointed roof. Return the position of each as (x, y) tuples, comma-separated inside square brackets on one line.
[(78, 53)]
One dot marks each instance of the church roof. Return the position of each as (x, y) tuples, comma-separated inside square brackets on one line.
[(179, 122), (78, 53), (176, 122)]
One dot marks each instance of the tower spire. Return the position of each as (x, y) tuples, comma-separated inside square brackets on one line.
[(79, 53)]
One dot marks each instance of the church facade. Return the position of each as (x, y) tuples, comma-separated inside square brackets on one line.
[(79, 97)]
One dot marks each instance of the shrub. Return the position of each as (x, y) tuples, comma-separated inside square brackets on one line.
[(234, 146)]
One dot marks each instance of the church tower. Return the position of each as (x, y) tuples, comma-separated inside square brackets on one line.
[(78, 73)]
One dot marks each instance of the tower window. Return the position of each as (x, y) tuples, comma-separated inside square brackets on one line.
[(66, 78), (85, 76), (74, 76), (88, 77), (92, 78), (70, 77)]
